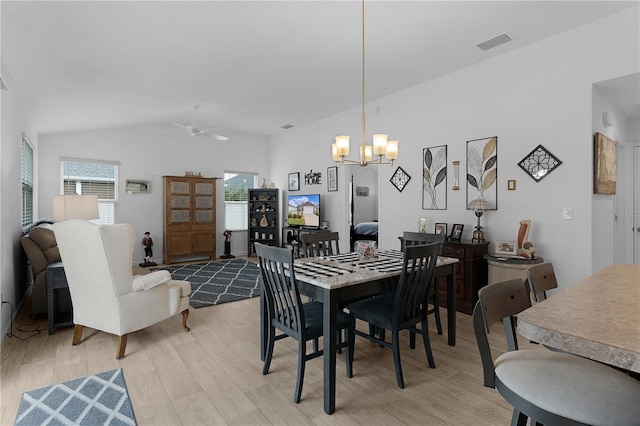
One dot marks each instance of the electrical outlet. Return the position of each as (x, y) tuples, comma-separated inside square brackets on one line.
[(567, 213)]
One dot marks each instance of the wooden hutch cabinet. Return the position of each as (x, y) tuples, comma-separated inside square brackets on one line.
[(471, 273), (263, 219), (189, 217)]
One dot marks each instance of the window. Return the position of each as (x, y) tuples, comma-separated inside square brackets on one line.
[(26, 177), (235, 199), (87, 177)]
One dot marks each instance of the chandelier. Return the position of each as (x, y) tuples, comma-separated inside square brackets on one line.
[(382, 147)]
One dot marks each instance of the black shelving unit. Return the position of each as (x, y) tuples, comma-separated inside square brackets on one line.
[(263, 218)]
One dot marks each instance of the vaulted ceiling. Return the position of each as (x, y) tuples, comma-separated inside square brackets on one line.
[(254, 66)]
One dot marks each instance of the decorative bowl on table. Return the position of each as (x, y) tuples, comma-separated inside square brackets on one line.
[(366, 249)]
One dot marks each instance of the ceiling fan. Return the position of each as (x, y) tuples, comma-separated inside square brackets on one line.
[(195, 130)]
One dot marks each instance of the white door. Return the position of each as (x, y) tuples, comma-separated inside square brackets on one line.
[(636, 204)]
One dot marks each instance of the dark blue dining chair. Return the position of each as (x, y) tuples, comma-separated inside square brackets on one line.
[(403, 309), (287, 313), (411, 238)]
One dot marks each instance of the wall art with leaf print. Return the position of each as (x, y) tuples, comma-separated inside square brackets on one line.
[(482, 171), (434, 178)]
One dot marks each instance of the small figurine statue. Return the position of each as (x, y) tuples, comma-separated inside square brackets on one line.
[(147, 243), (527, 248), (227, 245)]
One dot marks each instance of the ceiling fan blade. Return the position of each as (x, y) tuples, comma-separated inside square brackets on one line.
[(220, 137), (182, 126)]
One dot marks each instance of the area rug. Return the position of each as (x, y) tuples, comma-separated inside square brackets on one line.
[(101, 399), (213, 283)]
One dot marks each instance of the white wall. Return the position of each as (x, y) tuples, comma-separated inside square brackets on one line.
[(540, 94), (14, 277), (148, 153)]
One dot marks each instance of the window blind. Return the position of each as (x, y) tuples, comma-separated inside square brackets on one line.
[(26, 178), (86, 177), (236, 187)]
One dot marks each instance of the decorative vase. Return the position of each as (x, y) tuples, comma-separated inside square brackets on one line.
[(422, 225), (264, 222)]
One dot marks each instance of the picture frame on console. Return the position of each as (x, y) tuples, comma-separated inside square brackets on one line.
[(506, 248), (441, 228), (456, 232)]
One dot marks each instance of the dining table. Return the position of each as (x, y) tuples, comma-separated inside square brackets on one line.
[(339, 279), (597, 318)]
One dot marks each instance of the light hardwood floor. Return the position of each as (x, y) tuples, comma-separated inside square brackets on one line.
[(212, 375)]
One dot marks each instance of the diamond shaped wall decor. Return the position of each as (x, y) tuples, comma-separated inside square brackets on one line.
[(539, 163), (400, 179)]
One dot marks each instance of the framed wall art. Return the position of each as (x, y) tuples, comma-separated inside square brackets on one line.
[(332, 178), (135, 186), (294, 181), (482, 171), (604, 164), (362, 191), (400, 179), (539, 163), (434, 178)]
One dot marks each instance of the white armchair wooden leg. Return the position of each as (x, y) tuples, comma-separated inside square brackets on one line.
[(185, 315), (122, 344), (77, 334)]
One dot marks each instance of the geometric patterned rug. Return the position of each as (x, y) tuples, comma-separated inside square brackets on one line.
[(101, 399), (213, 283)]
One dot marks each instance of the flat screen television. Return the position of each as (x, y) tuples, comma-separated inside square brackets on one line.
[(303, 210)]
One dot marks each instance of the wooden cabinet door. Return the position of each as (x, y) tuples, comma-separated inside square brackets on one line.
[(178, 202), (179, 244), (190, 217)]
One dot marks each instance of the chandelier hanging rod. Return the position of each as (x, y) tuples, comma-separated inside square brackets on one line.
[(381, 146)]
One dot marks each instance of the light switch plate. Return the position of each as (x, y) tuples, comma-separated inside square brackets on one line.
[(567, 213)]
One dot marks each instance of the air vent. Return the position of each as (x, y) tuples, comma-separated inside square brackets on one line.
[(286, 126), (494, 42)]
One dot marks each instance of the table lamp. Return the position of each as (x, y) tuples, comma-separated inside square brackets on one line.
[(479, 205), (67, 207)]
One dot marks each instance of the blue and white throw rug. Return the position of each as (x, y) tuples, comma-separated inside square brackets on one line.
[(101, 399), (218, 282)]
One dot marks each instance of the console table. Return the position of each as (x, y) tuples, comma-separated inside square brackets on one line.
[(503, 268), (60, 309), (471, 272)]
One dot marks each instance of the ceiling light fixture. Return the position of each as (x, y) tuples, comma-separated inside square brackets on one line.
[(381, 146)]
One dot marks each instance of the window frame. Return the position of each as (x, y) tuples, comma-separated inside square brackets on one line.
[(108, 207), (26, 181), (231, 219)]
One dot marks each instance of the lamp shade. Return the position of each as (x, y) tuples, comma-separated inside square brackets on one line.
[(67, 207), (479, 204)]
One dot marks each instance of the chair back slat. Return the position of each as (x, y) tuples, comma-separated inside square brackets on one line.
[(541, 278), (413, 238), (498, 302), (417, 275), (283, 301), (316, 244)]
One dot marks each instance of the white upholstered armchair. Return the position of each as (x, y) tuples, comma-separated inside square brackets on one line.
[(106, 296)]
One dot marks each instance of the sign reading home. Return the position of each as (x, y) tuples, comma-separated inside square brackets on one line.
[(313, 178)]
